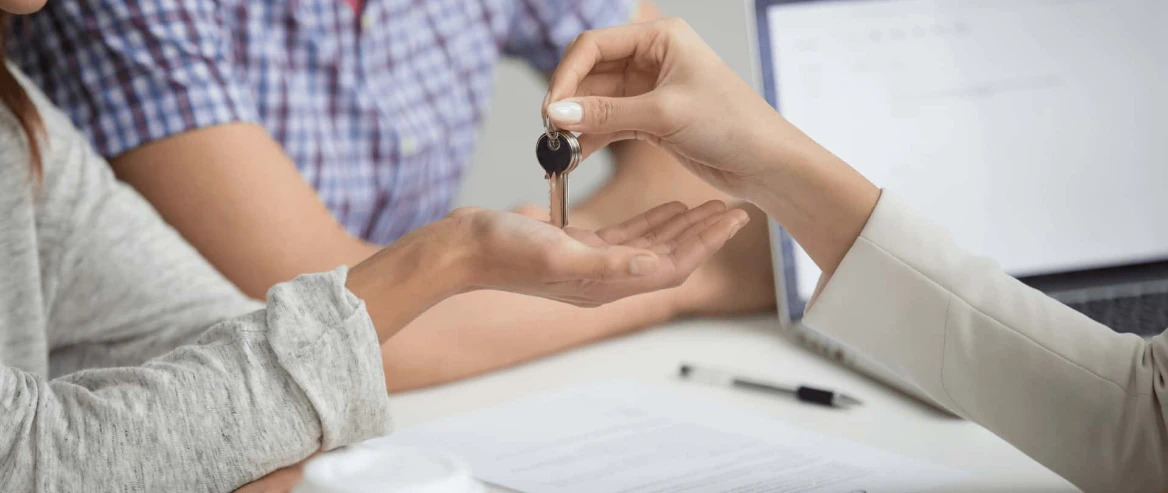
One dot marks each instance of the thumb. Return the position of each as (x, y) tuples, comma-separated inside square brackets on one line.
[(590, 143), (611, 263), (605, 115)]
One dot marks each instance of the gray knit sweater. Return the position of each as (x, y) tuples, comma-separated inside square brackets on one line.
[(127, 363)]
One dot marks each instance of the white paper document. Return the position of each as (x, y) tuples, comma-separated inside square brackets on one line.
[(632, 438)]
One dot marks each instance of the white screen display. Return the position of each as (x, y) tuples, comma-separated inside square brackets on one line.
[(1033, 130)]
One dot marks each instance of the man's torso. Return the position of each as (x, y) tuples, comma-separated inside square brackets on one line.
[(378, 108)]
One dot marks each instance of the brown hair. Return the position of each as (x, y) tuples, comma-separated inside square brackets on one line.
[(12, 96)]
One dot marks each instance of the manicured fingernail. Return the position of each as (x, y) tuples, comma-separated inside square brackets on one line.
[(565, 112), (642, 265)]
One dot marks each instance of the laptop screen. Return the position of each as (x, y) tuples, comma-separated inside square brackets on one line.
[(1035, 131)]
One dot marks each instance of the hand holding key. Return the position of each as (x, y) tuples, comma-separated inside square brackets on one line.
[(654, 250), (659, 82)]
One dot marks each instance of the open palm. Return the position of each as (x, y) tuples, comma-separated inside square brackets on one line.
[(654, 250)]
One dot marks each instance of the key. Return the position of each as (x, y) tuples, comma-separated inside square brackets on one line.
[(558, 153)]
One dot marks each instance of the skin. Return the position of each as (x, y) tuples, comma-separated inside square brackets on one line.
[(21, 6), (481, 250), (659, 83), (477, 249), (237, 197)]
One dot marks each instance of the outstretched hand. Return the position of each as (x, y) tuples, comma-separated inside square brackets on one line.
[(654, 250)]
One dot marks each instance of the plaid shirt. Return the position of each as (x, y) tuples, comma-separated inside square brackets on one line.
[(379, 109)]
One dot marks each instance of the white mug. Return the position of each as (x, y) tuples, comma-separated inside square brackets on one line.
[(378, 467)]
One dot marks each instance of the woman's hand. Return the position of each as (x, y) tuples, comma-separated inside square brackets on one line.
[(654, 250), (659, 82), (481, 249)]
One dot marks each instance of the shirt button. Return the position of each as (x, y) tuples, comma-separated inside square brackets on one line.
[(367, 20), (409, 146)]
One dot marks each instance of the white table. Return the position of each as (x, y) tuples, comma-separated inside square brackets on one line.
[(753, 346)]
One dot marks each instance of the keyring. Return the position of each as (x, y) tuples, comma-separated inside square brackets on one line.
[(553, 135)]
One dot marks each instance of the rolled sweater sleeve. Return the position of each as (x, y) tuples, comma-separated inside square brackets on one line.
[(166, 377), (255, 393), (1081, 399)]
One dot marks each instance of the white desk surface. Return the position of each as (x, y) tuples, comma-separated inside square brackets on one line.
[(753, 346)]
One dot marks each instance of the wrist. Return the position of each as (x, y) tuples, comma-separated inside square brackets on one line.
[(786, 159), (409, 276), (818, 198)]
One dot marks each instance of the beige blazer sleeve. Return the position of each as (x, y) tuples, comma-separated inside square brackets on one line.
[(1081, 399)]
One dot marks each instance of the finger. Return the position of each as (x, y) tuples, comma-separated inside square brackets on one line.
[(606, 79), (695, 230), (641, 223), (590, 143), (592, 48), (666, 232), (586, 237), (608, 264), (690, 254), (609, 65), (605, 114), (667, 248)]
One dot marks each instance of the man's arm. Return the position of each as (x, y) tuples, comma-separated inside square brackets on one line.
[(237, 197), (234, 194)]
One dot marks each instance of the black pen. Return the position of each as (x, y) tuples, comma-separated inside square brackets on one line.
[(801, 392)]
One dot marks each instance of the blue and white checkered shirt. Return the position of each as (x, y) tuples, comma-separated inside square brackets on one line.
[(378, 109)]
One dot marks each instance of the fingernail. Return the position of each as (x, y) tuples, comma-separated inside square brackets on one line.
[(565, 112), (642, 265)]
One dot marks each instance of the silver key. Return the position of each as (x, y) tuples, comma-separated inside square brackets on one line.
[(558, 153)]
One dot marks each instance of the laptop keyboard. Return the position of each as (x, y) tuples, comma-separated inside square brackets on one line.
[(1145, 314)]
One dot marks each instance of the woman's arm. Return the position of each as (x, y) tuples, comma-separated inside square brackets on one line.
[(1081, 399), (1074, 395), (232, 193), (266, 389), (1084, 401), (250, 395), (236, 400)]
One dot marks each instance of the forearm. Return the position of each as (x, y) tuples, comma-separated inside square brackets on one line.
[(477, 332), (233, 194), (405, 279), (255, 393), (1069, 392), (820, 200)]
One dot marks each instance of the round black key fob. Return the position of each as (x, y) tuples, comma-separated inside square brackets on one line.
[(558, 156)]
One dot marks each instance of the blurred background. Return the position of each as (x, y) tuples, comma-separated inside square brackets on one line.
[(505, 173)]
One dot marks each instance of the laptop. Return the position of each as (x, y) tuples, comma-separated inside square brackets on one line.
[(1034, 131)]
